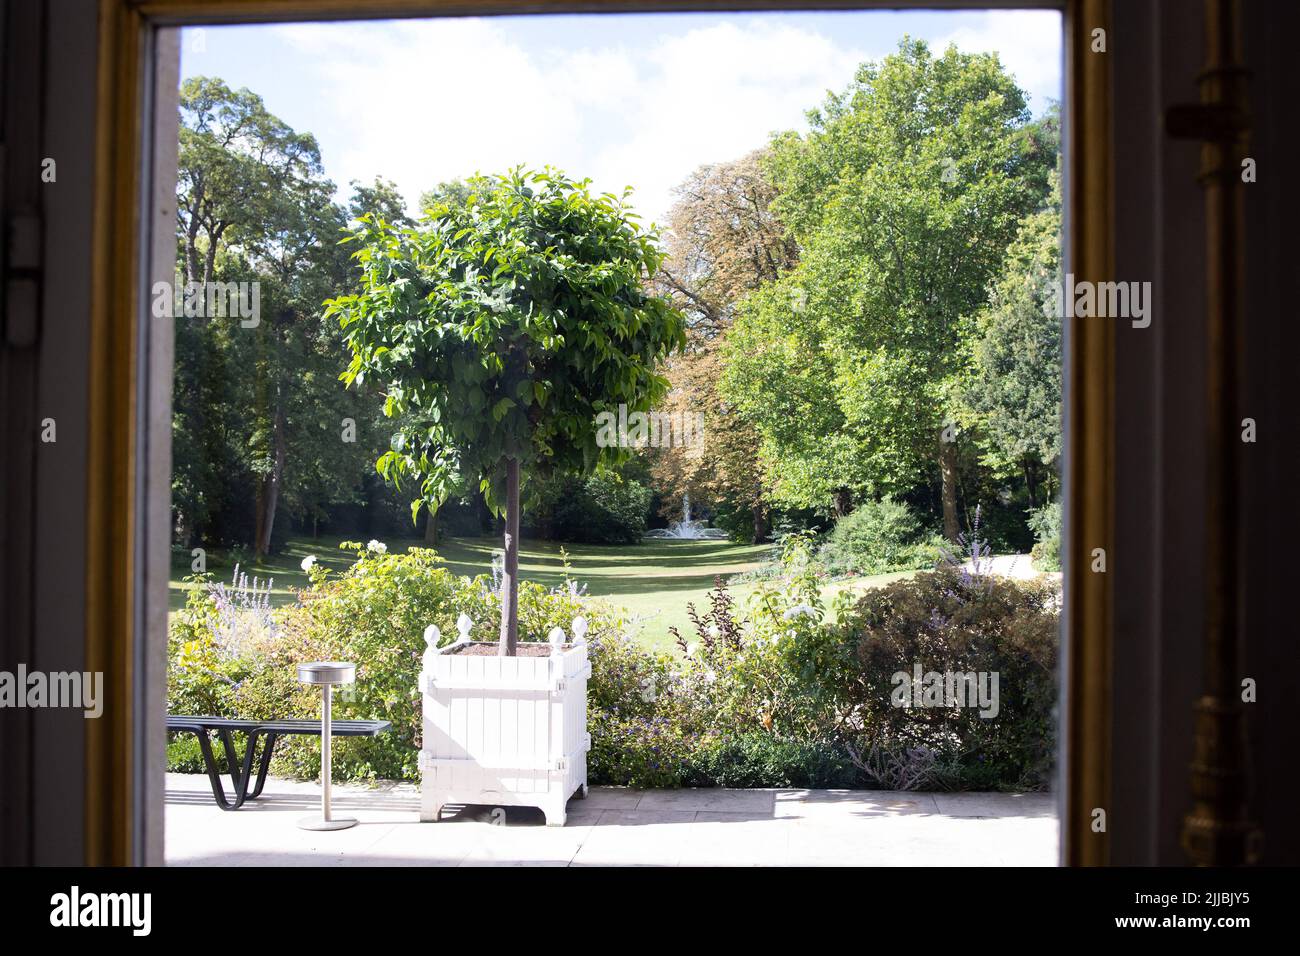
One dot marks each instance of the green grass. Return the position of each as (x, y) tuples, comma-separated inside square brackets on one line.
[(655, 580)]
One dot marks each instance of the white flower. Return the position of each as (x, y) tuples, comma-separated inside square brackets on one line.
[(799, 610), (377, 546), (710, 677), (713, 630), (308, 562)]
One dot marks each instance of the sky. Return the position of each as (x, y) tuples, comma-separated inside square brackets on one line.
[(627, 100)]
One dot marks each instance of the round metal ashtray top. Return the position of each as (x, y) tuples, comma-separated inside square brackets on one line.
[(327, 672)]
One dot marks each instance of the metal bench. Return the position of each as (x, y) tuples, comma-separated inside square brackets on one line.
[(269, 731)]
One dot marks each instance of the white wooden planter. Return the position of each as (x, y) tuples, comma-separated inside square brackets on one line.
[(504, 731)]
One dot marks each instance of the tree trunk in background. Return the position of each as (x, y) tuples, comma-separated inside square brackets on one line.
[(760, 523), (948, 472), (259, 515), (431, 528), (509, 580), (191, 252), (269, 494), (210, 260), (842, 502), (1029, 484)]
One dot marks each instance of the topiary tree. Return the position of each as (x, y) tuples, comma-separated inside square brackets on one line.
[(498, 329)]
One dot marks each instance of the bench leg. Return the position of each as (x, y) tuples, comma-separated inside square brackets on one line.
[(214, 775), (268, 747), (240, 773)]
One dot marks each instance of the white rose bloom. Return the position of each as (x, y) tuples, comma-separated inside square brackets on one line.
[(377, 546), (799, 610), (308, 562)]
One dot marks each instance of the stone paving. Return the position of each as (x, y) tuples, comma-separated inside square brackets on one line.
[(617, 827)]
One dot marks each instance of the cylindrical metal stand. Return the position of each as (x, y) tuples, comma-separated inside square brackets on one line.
[(326, 674)]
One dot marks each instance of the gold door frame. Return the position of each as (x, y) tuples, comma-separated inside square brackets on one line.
[(114, 473)]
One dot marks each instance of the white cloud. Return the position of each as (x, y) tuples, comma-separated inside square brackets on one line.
[(420, 102), (1029, 44), (716, 93), (425, 101)]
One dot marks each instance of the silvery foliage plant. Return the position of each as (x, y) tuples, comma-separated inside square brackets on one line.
[(243, 612)]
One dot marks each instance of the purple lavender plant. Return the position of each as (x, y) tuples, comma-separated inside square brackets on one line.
[(243, 612), (974, 567)]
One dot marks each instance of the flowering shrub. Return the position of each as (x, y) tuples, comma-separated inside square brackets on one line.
[(743, 703), (645, 713), (243, 614), (791, 692), (952, 622), (373, 614), (773, 672)]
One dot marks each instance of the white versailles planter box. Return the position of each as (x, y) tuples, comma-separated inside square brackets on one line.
[(504, 731)]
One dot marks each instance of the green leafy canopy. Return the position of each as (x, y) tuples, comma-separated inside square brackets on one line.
[(903, 197), (501, 325)]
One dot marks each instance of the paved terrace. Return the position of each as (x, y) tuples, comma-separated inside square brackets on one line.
[(617, 827)]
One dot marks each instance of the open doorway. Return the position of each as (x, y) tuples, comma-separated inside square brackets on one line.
[(867, 386)]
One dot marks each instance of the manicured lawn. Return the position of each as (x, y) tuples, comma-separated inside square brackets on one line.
[(653, 580)]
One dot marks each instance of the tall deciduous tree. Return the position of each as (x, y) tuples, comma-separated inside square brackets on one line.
[(258, 403), (500, 328), (723, 242), (247, 185), (1014, 388), (238, 166), (902, 198)]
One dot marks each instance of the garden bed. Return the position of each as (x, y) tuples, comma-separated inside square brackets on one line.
[(781, 687)]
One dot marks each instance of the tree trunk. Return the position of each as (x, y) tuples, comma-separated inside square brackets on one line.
[(259, 516), (760, 522), (1029, 484), (509, 580), (192, 249), (269, 495), (431, 528), (842, 502), (210, 260), (948, 472)]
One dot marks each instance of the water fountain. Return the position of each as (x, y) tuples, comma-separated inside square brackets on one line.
[(687, 528)]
